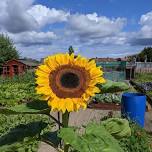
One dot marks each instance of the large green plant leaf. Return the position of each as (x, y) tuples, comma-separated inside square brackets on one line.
[(35, 107), (117, 127), (21, 133), (95, 139), (51, 138), (112, 87)]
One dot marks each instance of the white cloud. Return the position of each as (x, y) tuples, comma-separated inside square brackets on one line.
[(14, 18), (144, 35), (33, 38), (146, 22), (21, 15), (94, 26), (146, 19), (44, 15)]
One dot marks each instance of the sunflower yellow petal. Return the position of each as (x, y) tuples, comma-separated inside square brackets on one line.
[(62, 104), (91, 64), (45, 97), (83, 105), (41, 73), (81, 61), (69, 105), (45, 91), (42, 82), (96, 90), (85, 96), (90, 92), (76, 105), (95, 72), (71, 58), (62, 59), (96, 81), (54, 104), (50, 61), (44, 68)]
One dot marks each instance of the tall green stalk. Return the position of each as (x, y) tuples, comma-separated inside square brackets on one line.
[(65, 122)]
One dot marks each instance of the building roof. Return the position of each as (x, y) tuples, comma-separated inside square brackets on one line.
[(28, 62), (108, 59)]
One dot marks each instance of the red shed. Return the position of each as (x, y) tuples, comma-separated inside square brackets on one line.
[(17, 67)]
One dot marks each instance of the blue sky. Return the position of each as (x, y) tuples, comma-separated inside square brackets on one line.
[(130, 9), (103, 28)]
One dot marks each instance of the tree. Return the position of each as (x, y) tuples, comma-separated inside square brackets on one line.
[(7, 49), (71, 50), (144, 55)]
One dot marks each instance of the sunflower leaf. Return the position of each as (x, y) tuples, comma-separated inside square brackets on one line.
[(21, 133), (51, 138), (96, 138), (112, 87), (35, 107)]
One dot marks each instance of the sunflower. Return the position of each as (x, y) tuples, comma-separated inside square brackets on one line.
[(67, 82)]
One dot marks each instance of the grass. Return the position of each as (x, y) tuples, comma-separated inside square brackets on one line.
[(143, 77)]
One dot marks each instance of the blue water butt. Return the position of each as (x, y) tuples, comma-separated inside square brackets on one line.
[(133, 106)]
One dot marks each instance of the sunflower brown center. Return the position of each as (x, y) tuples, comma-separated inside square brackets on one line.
[(69, 81)]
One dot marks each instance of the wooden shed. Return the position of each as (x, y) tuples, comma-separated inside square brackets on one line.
[(17, 67)]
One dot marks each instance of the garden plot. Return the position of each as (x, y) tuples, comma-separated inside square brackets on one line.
[(147, 86), (143, 84), (14, 128), (110, 96), (20, 131)]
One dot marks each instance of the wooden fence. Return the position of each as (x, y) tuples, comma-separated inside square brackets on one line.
[(143, 67), (143, 70)]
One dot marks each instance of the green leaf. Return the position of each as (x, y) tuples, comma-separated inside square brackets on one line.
[(35, 107), (69, 136), (95, 139), (117, 127), (21, 132), (112, 87), (51, 138)]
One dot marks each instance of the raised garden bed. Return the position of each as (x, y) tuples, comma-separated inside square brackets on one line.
[(105, 106), (107, 101), (141, 89)]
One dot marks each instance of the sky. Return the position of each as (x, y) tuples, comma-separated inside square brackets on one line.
[(95, 28)]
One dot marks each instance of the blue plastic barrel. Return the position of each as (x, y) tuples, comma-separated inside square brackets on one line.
[(133, 106)]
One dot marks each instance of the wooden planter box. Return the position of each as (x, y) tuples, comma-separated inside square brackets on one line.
[(104, 106)]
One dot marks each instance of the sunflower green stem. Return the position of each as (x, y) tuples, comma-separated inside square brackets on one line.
[(65, 122)]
